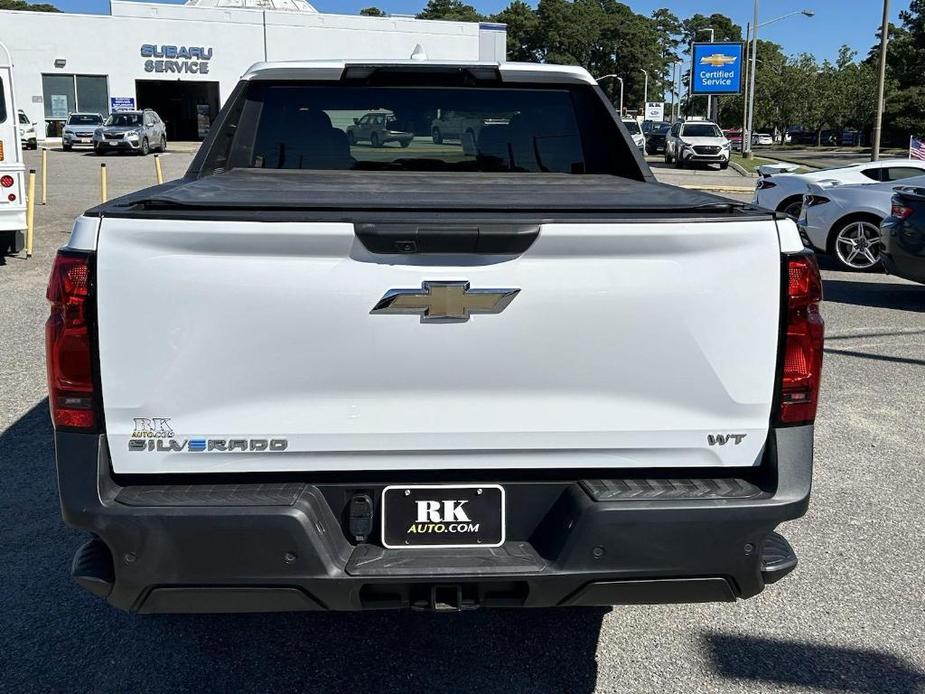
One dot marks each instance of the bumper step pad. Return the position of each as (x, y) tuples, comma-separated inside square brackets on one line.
[(674, 489), (510, 558), (777, 558)]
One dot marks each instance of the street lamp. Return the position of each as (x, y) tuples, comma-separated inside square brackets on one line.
[(615, 77), (645, 91), (750, 86)]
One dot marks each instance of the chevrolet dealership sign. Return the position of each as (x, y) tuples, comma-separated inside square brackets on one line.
[(717, 68)]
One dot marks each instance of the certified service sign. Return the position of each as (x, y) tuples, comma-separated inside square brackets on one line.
[(717, 68)]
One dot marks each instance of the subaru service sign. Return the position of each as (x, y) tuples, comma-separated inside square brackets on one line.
[(717, 68)]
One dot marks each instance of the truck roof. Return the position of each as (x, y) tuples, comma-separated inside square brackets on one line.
[(334, 70)]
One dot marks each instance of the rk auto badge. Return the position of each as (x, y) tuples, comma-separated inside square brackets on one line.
[(444, 302)]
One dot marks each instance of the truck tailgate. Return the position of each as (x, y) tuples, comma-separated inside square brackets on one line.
[(250, 346)]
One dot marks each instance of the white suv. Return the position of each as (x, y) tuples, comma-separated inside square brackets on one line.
[(696, 141)]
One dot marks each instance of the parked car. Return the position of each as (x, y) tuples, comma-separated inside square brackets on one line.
[(655, 139), (903, 234), (378, 128), (453, 125), (632, 127), (79, 129), (27, 134), (734, 135), (131, 131), (342, 413), (696, 142), (779, 189), (761, 139), (844, 220)]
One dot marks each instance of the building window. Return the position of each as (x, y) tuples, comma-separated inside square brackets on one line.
[(64, 94), (92, 94)]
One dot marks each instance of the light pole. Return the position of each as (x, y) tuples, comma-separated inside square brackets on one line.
[(645, 90), (615, 77), (712, 39), (884, 31), (675, 87), (750, 86)]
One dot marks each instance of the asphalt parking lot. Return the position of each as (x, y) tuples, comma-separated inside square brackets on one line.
[(850, 618)]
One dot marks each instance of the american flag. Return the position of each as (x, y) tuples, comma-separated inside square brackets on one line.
[(916, 149)]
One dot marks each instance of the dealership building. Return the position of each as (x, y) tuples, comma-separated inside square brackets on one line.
[(184, 60)]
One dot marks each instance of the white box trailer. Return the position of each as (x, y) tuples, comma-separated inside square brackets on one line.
[(12, 168)]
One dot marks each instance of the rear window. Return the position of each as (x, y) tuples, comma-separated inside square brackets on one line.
[(501, 128), (632, 126), (2, 102), (84, 119)]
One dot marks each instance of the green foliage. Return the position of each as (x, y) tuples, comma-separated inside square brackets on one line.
[(372, 12), (450, 10), (22, 5)]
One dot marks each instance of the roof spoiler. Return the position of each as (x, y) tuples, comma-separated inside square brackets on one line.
[(780, 167)]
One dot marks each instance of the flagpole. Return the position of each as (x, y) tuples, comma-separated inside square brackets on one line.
[(910, 147)]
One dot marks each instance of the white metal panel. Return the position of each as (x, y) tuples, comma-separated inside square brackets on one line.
[(83, 234), (627, 345)]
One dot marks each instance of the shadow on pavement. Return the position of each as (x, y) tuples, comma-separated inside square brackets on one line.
[(811, 666), (57, 638), (905, 297)]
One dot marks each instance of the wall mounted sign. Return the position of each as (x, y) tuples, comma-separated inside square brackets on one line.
[(176, 59)]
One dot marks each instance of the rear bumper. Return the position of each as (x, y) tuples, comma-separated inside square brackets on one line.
[(282, 545), (904, 252)]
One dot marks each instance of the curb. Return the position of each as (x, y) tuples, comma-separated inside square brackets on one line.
[(720, 188), (742, 170)]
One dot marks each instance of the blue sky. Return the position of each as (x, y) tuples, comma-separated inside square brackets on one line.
[(837, 22)]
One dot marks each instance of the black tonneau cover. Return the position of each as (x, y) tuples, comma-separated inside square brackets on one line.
[(248, 192)]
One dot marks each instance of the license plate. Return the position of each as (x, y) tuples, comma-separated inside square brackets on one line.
[(83, 140), (418, 516)]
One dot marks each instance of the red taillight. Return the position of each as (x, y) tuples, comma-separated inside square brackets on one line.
[(802, 367), (900, 211), (7, 181), (67, 343)]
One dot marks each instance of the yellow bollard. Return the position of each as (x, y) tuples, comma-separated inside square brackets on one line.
[(103, 195), (44, 173), (157, 169), (30, 213)]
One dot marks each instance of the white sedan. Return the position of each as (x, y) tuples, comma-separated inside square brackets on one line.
[(844, 221), (779, 189)]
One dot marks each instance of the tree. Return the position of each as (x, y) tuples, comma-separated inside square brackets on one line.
[(522, 31), (450, 10), (372, 12), (22, 5)]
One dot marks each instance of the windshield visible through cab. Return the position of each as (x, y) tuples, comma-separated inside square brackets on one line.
[(700, 130), (285, 125), (120, 119), (84, 119)]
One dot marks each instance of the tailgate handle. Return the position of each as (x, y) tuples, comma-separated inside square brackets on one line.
[(481, 239)]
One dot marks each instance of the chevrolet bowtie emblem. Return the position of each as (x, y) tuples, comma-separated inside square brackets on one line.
[(717, 60), (445, 302)]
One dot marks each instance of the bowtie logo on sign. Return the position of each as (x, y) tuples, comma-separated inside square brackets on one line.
[(717, 60), (176, 59)]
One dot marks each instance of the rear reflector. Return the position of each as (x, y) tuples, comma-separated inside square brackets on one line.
[(67, 343), (803, 341)]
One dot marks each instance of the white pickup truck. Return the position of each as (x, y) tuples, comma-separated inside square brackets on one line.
[(310, 375)]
